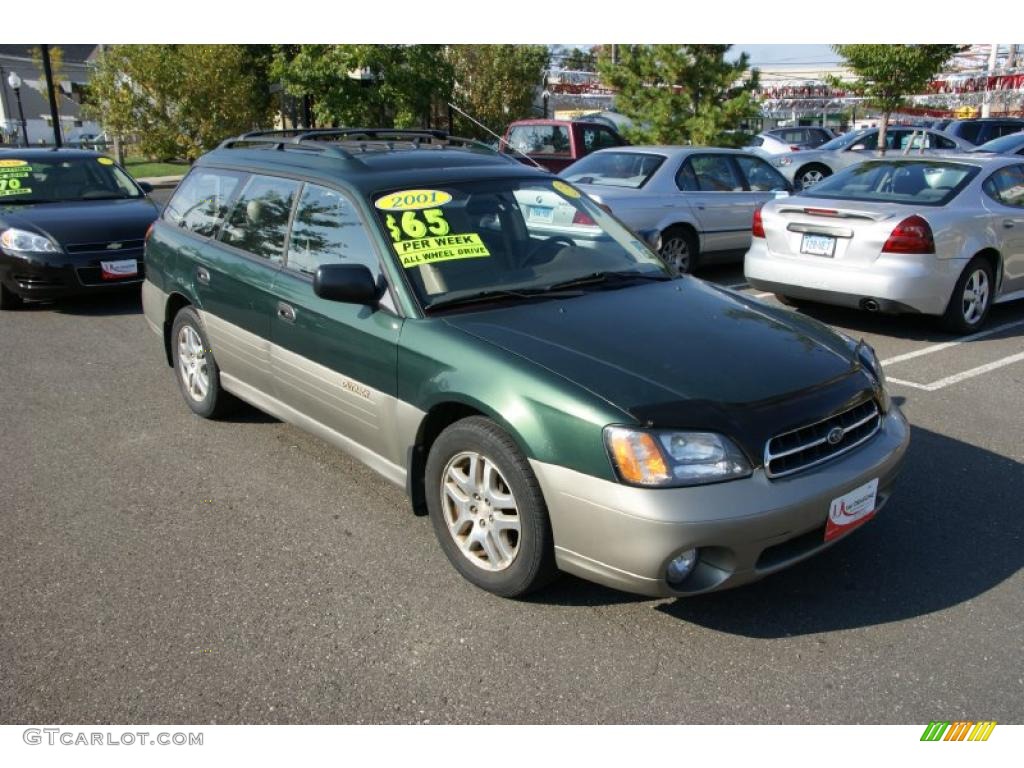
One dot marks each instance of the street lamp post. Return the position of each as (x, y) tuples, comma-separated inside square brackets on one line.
[(15, 82)]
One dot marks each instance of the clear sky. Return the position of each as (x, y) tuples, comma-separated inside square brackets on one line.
[(761, 53)]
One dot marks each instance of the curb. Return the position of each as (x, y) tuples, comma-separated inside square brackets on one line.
[(162, 182)]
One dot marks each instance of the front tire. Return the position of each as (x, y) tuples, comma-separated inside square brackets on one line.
[(196, 369), (487, 509), (971, 301)]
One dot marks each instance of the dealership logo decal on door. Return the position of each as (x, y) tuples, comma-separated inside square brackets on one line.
[(851, 509)]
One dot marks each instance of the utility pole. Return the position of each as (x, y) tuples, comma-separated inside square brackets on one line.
[(986, 103), (54, 114)]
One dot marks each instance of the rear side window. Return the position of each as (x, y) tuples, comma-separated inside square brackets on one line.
[(201, 200), (761, 177), (1007, 186), (710, 173), (970, 131), (540, 139), (598, 138), (259, 220), (328, 230)]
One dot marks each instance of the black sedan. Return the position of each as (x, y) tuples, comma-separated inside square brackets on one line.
[(71, 222)]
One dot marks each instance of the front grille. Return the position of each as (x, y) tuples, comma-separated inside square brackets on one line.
[(94, 276), (104, 247), (808, 446)]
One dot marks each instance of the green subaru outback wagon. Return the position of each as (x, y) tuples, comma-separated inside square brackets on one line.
[(528, 369)]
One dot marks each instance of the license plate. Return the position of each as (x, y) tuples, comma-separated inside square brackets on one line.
[(818, 245), (117, 270), (850, 510), (542, 214)]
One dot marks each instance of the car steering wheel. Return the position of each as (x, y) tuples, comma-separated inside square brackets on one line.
[(545, 244)]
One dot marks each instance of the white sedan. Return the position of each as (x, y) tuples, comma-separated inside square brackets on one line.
[(938, 236)]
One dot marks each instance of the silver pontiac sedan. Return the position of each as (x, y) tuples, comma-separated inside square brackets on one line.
[(806, 168), (698, 201), (939, 236)]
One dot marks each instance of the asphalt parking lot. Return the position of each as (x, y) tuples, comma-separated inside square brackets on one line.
[(161, 568)]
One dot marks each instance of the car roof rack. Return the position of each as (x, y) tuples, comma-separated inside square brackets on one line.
[(327, 140)]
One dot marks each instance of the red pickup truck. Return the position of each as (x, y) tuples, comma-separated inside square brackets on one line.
[(556, 144)]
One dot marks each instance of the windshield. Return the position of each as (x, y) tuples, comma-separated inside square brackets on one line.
[(846, 140), (63, 179), (914, 182), (614, 169), (462, 239), (1010, 143)]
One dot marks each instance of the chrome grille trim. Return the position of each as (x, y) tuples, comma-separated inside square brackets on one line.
[(866, 421)]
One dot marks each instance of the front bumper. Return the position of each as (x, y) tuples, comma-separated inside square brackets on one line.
[(59, 275), (898, 282), (624, 537)]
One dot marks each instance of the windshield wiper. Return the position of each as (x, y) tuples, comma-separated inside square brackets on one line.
[(500, 293), (597, 278)]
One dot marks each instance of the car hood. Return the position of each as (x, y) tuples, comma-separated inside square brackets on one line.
[(87, 221), (684, 353)]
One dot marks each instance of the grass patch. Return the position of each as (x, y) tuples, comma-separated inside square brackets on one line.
[(142, 169)]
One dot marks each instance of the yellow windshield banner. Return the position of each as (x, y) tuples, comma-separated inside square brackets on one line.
[(12, 163), (412, 200), (429, 250)]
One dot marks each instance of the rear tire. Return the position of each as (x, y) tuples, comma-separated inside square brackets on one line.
[(487, 509), (9, 299), (679, 249), (971, 301), (195, 367), (810, 175)]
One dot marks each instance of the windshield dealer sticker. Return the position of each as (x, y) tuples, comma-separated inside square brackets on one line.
[(565, 189), (12, 163), (11, 178), (104, 161), (424, 236), (413, 200)]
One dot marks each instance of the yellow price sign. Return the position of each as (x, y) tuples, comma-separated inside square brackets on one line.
[(412, 200), (12, 163), (104, 161), (565, 189), (429, 250)]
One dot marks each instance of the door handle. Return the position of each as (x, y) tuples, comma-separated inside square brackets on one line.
[(1008, 223), (203, 275), (286, 312)]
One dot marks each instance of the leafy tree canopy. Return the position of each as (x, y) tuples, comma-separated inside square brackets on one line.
[(677, 94)]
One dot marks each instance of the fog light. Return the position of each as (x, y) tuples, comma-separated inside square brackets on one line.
[(681, 567)]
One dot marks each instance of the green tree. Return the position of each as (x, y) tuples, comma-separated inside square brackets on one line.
[(390, 86), (887, 74), (178, 100), (496, 84), (578, 59), (677, 94)]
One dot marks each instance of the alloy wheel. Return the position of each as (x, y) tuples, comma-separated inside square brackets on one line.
[(676, 251), (810, 178), (480, 511), (975, 297), (192, 364)]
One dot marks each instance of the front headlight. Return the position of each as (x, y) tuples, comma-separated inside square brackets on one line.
[(666, 458), (26, 242), (869, 359), (783, 161)]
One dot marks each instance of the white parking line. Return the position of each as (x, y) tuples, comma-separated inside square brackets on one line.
[(958, 377), (737, 286), (949, 344)]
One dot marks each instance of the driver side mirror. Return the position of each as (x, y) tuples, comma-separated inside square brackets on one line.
[(349, 283), (145, 186)]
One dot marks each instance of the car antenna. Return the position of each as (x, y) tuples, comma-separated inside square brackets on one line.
[(499, 138)]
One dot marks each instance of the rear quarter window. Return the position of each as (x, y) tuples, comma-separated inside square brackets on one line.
[(201, 201)]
